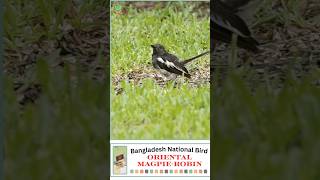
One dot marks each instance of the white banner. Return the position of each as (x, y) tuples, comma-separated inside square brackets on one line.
[(160, 158)]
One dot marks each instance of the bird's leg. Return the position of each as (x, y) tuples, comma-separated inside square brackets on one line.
[(165, 76), (175, 81), (172, 77)]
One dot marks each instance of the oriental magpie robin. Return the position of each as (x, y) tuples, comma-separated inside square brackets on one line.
[(169, 64), (224, 22)]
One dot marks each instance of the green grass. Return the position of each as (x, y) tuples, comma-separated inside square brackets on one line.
[(148, 111), (152, 112), (180, 31)]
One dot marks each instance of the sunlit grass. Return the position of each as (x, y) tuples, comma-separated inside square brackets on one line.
[(152, 112), (148, 111), (180, 31)]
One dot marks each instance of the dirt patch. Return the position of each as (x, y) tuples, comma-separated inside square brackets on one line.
[(199, 77)]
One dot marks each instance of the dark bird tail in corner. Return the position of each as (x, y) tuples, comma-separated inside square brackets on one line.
[(222, 34), (224, 22), (193, 58)]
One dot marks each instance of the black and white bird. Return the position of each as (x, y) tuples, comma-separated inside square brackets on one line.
[(169, 64), (224, 22)]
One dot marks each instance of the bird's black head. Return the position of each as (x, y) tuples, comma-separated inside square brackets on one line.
[(158, 48)]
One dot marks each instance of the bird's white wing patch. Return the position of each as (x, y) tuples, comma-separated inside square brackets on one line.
[(160, 59), (170, 64)]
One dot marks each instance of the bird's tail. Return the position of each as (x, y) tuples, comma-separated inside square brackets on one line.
[(193, 58)]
